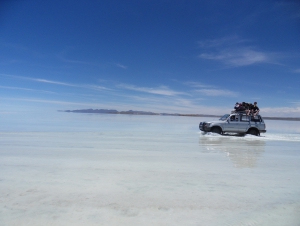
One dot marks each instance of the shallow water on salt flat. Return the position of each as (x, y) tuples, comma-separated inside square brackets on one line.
[(82, 169)]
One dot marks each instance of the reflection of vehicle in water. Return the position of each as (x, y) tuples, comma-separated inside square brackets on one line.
[(235, 123), (242, 152)]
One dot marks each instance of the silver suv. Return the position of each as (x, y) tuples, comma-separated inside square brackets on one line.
[(235, 123)]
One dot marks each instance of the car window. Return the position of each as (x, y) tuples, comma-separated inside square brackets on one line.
[(245, 118), (256, 118), (224, 117)]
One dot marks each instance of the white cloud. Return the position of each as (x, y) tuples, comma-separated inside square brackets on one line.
[(25, 89), (168, 104), (45, 101), (86, 86), (198, 85), (121, 66), (291, 7), (49, 81), (217, 92), (296, 103), (233, 52), (162, 90), (210, 90), (297, 70), (237, 57), (77, 61), (55, 102), (38, 80), (164, 100), (281, 111), (95, 87)]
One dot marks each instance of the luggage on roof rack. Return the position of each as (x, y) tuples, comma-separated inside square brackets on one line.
[(238, 112)]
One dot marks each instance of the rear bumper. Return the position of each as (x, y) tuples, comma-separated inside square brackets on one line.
[(263, 131)]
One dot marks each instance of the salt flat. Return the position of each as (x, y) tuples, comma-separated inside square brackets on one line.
[(147, 170)]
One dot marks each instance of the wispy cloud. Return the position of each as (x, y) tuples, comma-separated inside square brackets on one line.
[(55, 102), (198, 85), (95, 87), (221, 42), (167, 104), (210, 90), (62, 57), (50, 81), (25, 89), (121, 66), (281, 111), (296, 103), (296, 71), (86, 86), (161, 90), (291, 7), (233, 52), (217, 92), (237, 57), (12, 61)]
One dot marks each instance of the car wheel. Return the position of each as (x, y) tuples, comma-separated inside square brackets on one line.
[(253, 132), (216, 130)]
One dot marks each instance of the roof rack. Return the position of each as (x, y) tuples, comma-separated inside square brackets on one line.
[(241, 112), (238, 112)]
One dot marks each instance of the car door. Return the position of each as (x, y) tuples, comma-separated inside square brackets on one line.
[(244, 123), (232, 124)]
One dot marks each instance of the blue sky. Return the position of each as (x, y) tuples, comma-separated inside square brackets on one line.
[(161, 56)]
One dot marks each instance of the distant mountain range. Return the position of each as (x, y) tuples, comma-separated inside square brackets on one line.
[(131, 112)]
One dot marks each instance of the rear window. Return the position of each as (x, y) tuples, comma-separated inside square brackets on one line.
[(245, 118), (256, 118)]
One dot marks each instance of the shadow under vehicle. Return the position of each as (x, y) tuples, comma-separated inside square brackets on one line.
[(240, 123)]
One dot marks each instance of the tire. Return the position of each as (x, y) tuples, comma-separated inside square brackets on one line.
[(216, 130), (253, 132)]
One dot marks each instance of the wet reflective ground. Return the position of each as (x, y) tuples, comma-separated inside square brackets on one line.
[(241, 152), (148, 170)]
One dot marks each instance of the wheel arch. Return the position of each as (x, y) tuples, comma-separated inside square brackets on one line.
[(253, 128), (217, 126)]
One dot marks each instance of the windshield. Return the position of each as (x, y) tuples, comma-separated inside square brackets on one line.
[(224, 117)]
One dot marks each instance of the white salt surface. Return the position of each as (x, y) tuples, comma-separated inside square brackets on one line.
[(147, 170)]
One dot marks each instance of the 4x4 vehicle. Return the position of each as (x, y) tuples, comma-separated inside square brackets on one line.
[(235, 123)]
